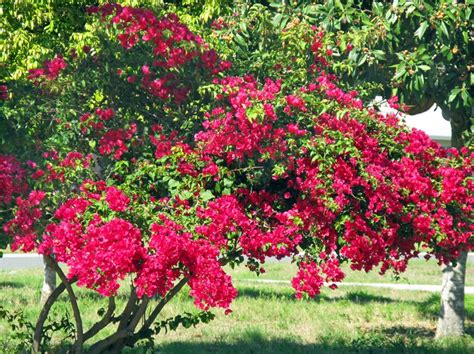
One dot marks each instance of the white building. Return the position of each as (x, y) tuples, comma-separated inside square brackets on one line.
[(431, 122)]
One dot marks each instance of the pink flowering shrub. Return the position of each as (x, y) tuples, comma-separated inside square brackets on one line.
[(3, 92), (12, 179), (257, 169), (13, 186), (50, 70)]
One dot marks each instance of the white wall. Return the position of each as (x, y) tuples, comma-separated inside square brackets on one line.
[(431, 122)]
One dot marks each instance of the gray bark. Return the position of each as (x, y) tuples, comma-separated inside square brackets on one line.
[(49, 282), (451, 317)]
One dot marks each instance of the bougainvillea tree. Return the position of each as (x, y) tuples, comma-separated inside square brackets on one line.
[(159, 169)]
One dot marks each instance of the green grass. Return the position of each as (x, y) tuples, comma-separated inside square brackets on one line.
[(268, 319), (419, 271)]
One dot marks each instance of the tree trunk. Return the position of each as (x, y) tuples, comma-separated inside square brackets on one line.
[(451, 317), (49, 282)]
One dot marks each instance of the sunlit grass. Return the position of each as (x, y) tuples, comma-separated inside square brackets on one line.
[(419, 271), (267, 318)]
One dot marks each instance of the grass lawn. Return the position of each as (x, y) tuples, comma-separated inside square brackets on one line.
[(419, 271), (267, 318)]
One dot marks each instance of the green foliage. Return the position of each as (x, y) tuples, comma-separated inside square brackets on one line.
[(265, 43), (207, 9), (32, 30), (21, 328), (422, 51), (186, 320)]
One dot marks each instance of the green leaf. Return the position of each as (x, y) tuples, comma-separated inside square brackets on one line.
[(92, 144), (410, 9), (421, 30), (207, 195), (424, 67), (240, 40), (465, 97), (400, 74), (277, 20), (444, 29), (184, 195), (379, 54), (421, 82), (362, 60), (465, 36), (453, 94), (173, 184)]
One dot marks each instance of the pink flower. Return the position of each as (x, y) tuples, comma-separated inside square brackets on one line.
[(3, 92), (50, 70), (393, 102), (116, 199)]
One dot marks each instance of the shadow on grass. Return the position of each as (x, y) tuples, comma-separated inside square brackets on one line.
[(362, 297), (11, 284), (395, 340), (272, 294), (358, 297), (91, 296), (431, 306), (417, 332), (257, 343), (407, 331)]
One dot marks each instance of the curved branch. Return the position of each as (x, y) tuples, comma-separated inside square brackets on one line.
[(97, 327), (99, 347), (138, 315), (75, 308), (149, 321), (130, 307), (44, 315), (126, 334)]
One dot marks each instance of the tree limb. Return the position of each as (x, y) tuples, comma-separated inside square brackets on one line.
[(130, 307), (75, 308), (118, 337), (97, 327), (37, 337), (149, 321)]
